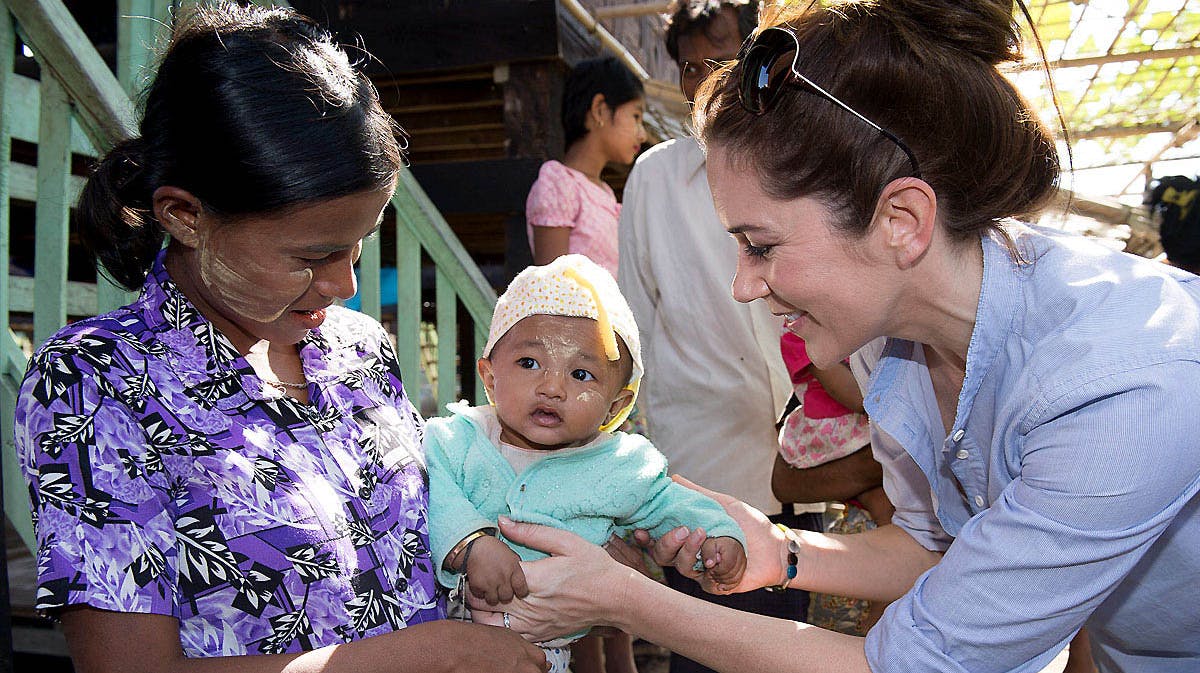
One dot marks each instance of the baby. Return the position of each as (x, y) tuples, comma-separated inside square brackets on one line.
[(561, 368)]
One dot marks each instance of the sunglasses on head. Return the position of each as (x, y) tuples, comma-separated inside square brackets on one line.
[(763, 76)]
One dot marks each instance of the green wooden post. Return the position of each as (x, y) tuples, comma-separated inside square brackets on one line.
[(408, 309), (369, 284), (53, 209), (447, 341), (137, 29), (8, 43), (15, 490)]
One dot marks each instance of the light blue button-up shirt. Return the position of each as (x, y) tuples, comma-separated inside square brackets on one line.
[(1066, 491)]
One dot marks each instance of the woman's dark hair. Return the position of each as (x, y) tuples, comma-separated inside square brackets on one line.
[(607, 76), (253, 111), (923, 69), (687, 17)]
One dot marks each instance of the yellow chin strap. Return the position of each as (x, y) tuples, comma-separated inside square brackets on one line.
[(608, 337)]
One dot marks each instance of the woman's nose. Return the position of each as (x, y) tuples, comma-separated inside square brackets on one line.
[(336, 279), (748, 286)]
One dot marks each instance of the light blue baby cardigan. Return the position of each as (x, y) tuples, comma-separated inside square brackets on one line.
[(618, 484)]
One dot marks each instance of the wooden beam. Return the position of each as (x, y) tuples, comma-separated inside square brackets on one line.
[(53, 209), (630, 9), (22, 184), (1126, 131), (8, 395), (22, 99), (64, 52), (1148, 55), (531, 110)]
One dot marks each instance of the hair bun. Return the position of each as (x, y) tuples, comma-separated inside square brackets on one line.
[(986, 29)]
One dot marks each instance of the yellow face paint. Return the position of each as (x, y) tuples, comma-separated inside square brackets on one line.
[(259, 293)]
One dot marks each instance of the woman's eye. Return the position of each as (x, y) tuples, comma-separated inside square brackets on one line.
[(756, 250), (527, 363), (582, 375)]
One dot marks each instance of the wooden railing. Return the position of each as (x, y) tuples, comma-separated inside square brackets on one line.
[(79, 106)]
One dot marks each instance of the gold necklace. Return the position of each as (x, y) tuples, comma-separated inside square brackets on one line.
[(282, 386)]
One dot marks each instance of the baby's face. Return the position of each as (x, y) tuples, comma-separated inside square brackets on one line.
[(552, 384)]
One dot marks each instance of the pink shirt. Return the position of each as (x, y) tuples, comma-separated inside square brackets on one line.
[(816, 402), (564, 197)]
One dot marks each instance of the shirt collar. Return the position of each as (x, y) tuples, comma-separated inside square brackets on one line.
[(999, 302), (202, 355)]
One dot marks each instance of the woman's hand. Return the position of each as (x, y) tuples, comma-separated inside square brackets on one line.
[(627, 554), (765, 546), (579, 586)]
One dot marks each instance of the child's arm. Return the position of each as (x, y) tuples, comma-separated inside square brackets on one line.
[(841, 385), (453, 517), (839, 479), (493, 570)]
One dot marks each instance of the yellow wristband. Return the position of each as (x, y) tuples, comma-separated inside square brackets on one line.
[(452, 558)]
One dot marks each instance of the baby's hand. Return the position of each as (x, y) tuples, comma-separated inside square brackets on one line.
[(724, 561), (494, 572)]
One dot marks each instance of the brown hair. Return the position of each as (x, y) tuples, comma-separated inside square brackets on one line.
[(923, 69), (685, 17)]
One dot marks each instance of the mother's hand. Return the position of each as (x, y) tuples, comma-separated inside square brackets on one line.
[(579, 586), (765, 545)]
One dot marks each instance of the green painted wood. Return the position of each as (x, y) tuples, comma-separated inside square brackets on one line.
[(8, 43), (21, 98), (81, 297), (447, 340), (16, 493), (369, 290), (12, 360), (53, 209), (63, 50), (138, 31), (137, 34), (444, 248), (408, 311), (22, 184)]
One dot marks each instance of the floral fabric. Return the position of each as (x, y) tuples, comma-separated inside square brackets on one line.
[(167, 478)]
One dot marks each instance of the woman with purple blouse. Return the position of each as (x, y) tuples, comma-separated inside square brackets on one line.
[(229, 465)]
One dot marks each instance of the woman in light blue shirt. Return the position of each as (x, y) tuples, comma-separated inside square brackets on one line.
[(1032, 394)]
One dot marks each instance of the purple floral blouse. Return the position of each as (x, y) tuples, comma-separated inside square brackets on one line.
[(167, 478)]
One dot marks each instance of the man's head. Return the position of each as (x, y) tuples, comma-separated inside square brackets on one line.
[(703, 31)]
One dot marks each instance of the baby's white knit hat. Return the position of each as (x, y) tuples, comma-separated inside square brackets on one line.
[(575, 286)]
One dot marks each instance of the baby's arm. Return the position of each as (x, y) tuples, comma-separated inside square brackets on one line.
[(493, 570), (724, 560)]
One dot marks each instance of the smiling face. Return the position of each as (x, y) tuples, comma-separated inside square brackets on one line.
[(832, 290), (551, 383), (270, 278), (623, 132)]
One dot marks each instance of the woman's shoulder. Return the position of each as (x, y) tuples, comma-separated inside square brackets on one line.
[(98, 340)]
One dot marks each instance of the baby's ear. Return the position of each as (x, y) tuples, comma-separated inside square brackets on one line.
[(484, 367), (623, 399)]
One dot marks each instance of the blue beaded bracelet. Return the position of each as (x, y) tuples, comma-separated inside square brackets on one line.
[(793, 548)]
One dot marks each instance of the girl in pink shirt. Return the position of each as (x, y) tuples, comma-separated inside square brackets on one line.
[(569, 209)]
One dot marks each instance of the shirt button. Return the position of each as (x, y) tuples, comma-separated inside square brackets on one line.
[(962, 454), (959, 434), (979, 501)]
